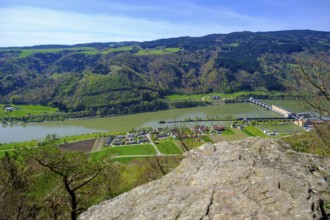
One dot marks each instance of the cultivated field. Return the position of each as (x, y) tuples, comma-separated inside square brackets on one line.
[(80, 146)]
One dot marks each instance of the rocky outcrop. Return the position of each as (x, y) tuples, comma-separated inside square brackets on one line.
[(250, 179)]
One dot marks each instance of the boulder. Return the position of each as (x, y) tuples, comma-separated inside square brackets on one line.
[(250, 179)]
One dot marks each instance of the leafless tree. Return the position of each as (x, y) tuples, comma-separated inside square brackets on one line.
[(313, 87)]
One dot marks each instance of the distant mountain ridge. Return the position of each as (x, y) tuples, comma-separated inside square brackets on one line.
[(135, 76)]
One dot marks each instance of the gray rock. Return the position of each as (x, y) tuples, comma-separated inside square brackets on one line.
[(251, 179)]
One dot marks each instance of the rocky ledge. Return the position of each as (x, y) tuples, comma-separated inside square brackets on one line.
[(250, 179)]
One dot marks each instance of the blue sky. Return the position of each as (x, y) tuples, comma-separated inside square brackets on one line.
[(36, 22)]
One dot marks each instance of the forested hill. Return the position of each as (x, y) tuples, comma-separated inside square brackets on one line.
[(135, 76)]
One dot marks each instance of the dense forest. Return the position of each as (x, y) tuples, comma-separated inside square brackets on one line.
[(126, 77)]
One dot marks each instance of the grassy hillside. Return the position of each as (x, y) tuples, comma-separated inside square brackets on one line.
[(126, 77)]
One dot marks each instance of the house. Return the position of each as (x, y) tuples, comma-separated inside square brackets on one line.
[(130, 135), (203, 129), (144, 140), (119, 137), (9, 108), (162, 136), (117, 142), (131, 142), (300, 122), (218, 128), (195, 129)]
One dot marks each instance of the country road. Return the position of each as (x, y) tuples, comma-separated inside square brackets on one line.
[(154, 145), (98, 144)]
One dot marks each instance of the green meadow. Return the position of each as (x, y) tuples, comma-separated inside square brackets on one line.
[(208, 96), (168, 146), (26, 110)]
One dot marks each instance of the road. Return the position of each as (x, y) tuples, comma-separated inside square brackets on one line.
[(98, 144), (154, 145)]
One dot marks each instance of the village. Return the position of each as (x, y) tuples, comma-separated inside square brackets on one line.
[(148, 136), (302, 120)]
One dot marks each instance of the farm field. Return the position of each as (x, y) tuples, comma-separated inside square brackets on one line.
[(253, 132), (141, 149), (26, 110), (79, 146), (207, 139), (281, 129), (129, 151), (168, 146), (229, 135)]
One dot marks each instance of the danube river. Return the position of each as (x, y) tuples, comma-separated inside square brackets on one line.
[(31, 131)]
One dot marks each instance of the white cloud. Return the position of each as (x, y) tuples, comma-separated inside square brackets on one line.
[(24, 26)]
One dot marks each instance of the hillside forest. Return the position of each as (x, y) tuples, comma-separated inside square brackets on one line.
[(126, 77)]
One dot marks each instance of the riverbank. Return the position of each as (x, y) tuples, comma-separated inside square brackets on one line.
[(30, 131)]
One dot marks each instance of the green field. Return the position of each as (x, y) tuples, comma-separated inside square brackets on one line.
[(229, 135), (81, 137), (12, 146), (208, 96), (228, 132), (141, 149), (191, 142), (157, 51), (253, 131), (117, 49), (167, 146), (207, 139), (281, 128), (23, 53), (128, 159), (26, 110), (27, 52)]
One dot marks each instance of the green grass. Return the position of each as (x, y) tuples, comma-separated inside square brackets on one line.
[(26, 110), (92, 51), (141, 149), (233, 45), (128, 159), (167, 146), (191, 142), (157, 51), (27, 52), (281, 128), (230, 135), (253, 131), (208, 96), (117, 49), (228, 132), (9, 147), (178, 97), (81, 137), (207, 139)]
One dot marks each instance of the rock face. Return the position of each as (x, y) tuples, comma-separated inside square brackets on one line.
[(250, 179)]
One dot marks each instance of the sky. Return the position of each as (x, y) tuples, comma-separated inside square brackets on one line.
[(37, 22)]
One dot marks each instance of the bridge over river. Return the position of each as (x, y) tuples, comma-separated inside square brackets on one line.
[(278, 109)]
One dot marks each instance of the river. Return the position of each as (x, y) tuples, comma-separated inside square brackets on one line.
[(32, 131)]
